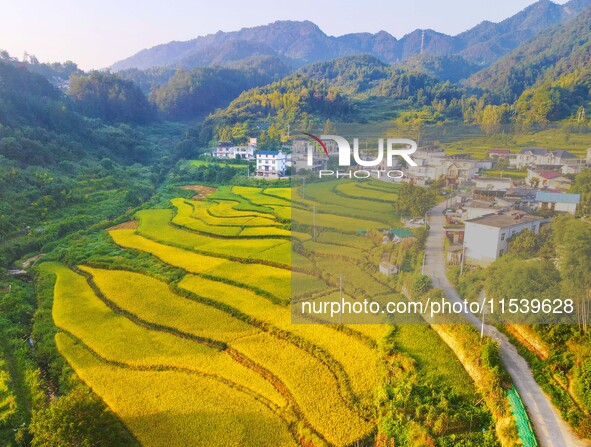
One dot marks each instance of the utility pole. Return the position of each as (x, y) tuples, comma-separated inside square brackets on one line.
[(341, 295), (463, 256), (304, 188), (314, 223), (482, 325)]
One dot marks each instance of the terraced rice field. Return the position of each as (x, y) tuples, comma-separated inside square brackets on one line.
[(214, 359)]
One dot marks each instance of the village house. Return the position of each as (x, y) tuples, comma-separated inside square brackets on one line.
[(556, 201), (532, 156), (271, 164), (547, 180), (486, 238), (479, 208), (493, 183), (226, 149)]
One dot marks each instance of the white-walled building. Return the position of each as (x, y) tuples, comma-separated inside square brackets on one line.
[(226, 149), (556, 201), (493, 183), (271, 164), (588, 157), (547, 179), (486, 238), (531, 156), (479, 208)]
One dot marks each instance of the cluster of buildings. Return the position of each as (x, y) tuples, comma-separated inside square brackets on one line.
[(270, 164), (488, 211)]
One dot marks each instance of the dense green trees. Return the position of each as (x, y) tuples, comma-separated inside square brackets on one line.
[(414, 201), (110, 98), (582, 185), (78, 419)]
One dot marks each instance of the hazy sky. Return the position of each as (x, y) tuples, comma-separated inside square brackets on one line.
[(94, 34)]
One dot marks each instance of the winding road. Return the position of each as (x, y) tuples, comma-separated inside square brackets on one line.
[(548, 425)]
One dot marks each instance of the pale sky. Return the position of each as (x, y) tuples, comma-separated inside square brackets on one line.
[(94, 34)]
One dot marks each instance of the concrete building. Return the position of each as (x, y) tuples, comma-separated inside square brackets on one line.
[(271, 164), (588, 157), (479, 208), (547, 180), (226, 149), (555, 201), (486, 238), (532, 156), (493, 183)]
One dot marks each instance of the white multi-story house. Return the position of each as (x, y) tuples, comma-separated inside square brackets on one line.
[(271, 164), (588, 157), (531, 156), (226, 149), (486, 238)]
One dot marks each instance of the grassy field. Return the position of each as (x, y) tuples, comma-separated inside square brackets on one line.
[(225, 328), (516, 175)]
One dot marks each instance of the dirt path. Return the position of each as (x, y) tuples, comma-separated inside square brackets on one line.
[(550, 429)]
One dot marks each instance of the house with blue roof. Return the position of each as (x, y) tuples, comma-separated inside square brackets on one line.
[(557, 201)]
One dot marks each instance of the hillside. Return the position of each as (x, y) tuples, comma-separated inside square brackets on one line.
[(560, 51), (301, 43)]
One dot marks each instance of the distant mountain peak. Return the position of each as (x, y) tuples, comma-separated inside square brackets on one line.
[(299, 43)]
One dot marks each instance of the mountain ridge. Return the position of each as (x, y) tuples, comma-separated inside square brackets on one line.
[(298, 43)]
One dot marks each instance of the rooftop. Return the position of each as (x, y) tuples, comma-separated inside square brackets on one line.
[(550, 174), (268, 152), (557, 197), (534, 150), (499, 151), (504, 220), (563, 154), (494, 179), (481, 204)]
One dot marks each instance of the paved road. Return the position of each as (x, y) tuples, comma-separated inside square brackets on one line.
[(550, 429)]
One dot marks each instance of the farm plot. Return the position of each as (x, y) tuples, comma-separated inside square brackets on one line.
[(81, 313), (359, 361), (155, 224), (288, 362), (359, 190), (188, 216), (272, 280), (213, 414)]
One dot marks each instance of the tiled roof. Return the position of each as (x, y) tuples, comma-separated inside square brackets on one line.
[(268, 153), (534, 150), (548, 175), (499, 151), (563, 154)]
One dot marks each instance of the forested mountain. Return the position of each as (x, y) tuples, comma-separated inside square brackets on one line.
[(561, 53), (106, 96), (61, 171), (452, 68), (188, 94), (301, 43)]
